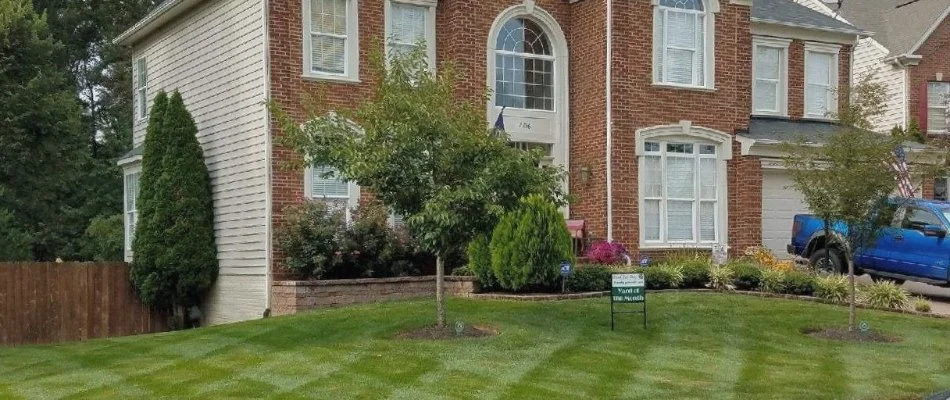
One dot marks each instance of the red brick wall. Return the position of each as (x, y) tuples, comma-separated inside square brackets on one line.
[(935, 59), (796, 77)]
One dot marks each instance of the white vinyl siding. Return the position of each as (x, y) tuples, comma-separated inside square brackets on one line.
[(131, 189), (682, 35), (331, 43), (770, 77), (821, 80), (409, 23), (870, 57), (680, 193), (938, 93), (141, 89), (214, 55)]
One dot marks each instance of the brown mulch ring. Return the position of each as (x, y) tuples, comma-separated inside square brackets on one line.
[(449, 331), (842, 334)]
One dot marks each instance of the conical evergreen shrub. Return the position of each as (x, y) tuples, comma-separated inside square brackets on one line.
[(529, 244)]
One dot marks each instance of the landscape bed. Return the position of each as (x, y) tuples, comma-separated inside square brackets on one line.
[(698, 345)]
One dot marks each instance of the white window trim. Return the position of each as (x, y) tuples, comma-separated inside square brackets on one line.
[(430, 26), (351, 58), (710, 9), (352, 197), (126, 213), (684, 132), (829, 49), (944, 107), (140, 92), (782, 95)]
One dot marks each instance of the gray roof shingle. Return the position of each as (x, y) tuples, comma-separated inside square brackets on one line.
[(791, 13), (897, 29)]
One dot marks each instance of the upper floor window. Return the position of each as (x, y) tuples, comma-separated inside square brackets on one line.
[(821, 80), (938, 94), (141, 84), (682, 43), (331, 42), (409, 23), (770, 77), (131, 209), (524, 66)]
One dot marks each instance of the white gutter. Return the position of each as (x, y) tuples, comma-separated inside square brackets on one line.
[(610, 124), (268, 157), (161, 15)]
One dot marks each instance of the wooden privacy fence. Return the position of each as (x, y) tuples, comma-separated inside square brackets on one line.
[(57, 302)]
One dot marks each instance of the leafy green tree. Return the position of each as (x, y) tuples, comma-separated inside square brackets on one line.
[(479, 261), (848, 180), (529, 244), (41, 146), (175, 259), (104, 239), (14, 243), (424, 153)]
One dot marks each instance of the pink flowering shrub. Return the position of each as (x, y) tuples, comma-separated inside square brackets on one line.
[(606, 253)]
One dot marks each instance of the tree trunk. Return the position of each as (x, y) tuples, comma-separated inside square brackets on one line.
[(440, 291), (851, 315)]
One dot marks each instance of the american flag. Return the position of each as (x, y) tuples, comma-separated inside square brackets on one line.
[(904, 185)]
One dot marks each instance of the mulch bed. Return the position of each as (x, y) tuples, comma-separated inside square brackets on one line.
[(447, 332), (842, 334)]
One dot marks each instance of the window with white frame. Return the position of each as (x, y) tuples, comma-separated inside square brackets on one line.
[(324, 183), (524, 66), (131, 208), (938, 94), (141, 84), (682, 37), (681, 194), (409, 23), (821, 81), (770, 77), (331, 42)]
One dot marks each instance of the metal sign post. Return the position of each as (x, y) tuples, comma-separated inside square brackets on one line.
[(628, 288), (566, 271)]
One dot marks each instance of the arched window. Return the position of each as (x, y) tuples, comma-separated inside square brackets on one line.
[(682, 36), (524, 66)]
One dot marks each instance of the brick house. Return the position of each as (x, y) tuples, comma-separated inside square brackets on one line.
[(667, 114)]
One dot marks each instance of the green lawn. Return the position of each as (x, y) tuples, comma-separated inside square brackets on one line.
[(697, 346)]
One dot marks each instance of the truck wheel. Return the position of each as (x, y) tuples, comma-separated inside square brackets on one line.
[(832, 264)]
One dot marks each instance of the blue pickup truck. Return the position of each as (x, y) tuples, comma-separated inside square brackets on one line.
[(914, 246)]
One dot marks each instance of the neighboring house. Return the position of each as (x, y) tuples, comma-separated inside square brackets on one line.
[(666, 114)]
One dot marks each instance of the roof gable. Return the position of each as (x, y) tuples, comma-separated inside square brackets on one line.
[(899, 29)]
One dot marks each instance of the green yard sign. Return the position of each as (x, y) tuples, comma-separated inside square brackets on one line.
[(627, 288)]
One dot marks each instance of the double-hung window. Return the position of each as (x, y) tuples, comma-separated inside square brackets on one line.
[(938, 94), (770, 76), (141, 84), (324, 184), (131, 208), (680, 193), (682, 35), (331, 42), (821, 80), (410, 23)]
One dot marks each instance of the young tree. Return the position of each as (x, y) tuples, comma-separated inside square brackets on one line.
[(180, 260), (426, 154), (847, 181)]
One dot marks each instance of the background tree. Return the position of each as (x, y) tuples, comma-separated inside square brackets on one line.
[(178, 260), (847, 181), (424, 153)]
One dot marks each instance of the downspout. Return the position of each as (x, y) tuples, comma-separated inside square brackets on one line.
[(268, 158), (610, 124)]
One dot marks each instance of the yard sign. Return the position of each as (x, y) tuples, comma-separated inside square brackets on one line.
[(627, 288)]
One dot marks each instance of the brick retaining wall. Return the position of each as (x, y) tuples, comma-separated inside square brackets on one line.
[(289, 297)]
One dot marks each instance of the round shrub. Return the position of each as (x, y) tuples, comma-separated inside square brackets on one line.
[(773, 281), (695, 274), (589, 278), (921, 304), (662, 277), (832, 287), (799, 283), (479, 261), (308, 238), (529, 244), (720, 277), (607, 253), (884, 294), (748, 276)]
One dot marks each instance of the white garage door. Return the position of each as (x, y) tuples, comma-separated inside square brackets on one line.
[(780, 203)]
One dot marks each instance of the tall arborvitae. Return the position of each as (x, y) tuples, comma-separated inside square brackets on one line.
[(151, 280), (189, 238)]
